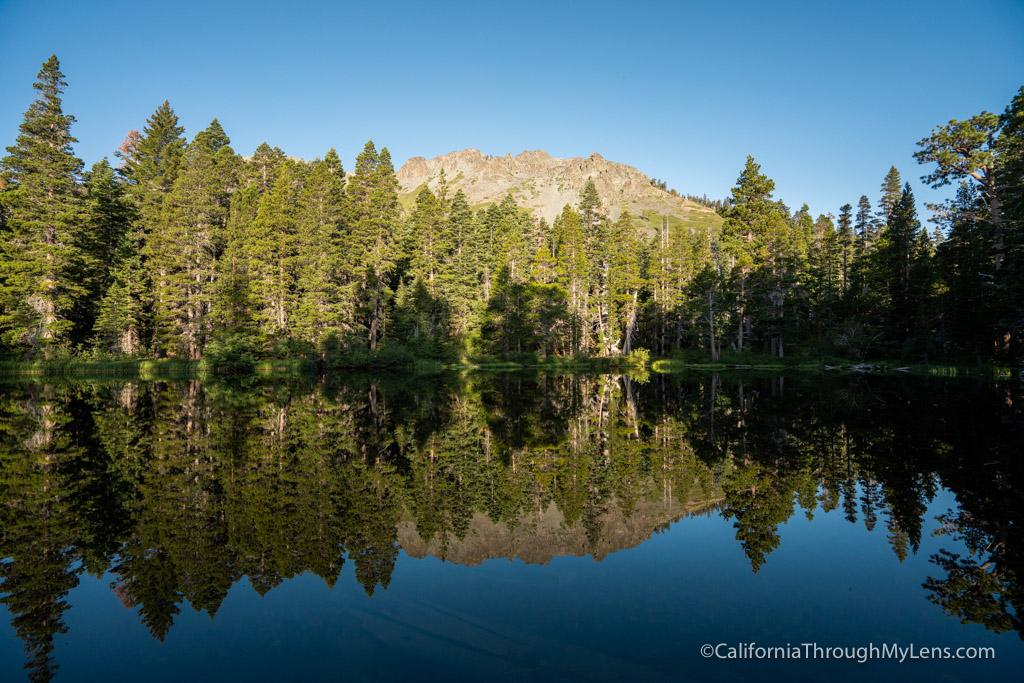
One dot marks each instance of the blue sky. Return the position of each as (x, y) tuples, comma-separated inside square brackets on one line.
[(825, 96)]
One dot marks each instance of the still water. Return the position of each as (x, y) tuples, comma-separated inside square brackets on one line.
[(510, 527)]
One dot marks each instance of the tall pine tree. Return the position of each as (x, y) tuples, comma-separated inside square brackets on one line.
[(41, 272)]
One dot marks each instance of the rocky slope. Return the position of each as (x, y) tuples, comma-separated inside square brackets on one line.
[(544, 184), (539, 537)]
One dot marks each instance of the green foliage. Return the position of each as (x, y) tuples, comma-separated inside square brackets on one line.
[(44, 263), (232, 354), (183, 244)]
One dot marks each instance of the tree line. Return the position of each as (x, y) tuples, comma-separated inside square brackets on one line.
[(186, 249)]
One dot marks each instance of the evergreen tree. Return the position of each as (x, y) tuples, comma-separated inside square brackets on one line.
[(507, 318), (572, 265), (803, 226), (333, 162), (547, 316), (261, 169), (896, 254), (150, 163), (625, 281), (966, 150), (892, 187), (845, 237), (864, 229), (710, 302), (320, 307), (42, 269), (825, 266), (1010, 184), (744, 227), (109, 218), (184, 250), (864, 225), (776, 279), (966, 269), (429, 250), (270, 254), (213, 137), (420, 318), (372, 218), (590, 205), (124, 310)]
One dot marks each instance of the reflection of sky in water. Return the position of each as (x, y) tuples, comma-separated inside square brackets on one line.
[(639, 614)]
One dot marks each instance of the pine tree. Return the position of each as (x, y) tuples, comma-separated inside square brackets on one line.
[(803, 226), (775, 279), (548, 315), (572, 266), (1010, 182), (544, 268), (464, 294), (745, 224), (864, 226), (124, 310), (150, 163), (41, 269), (261, 169), (428, 248), (892, 187), (864, 241), (967, 150), (270, 254), (333, 162), (507, 318), (897, 251), (845, 237), (825, 266), (184, 249), (710, 300), (213, 137), (625, 282), (372, 218), (678, 254), (964, 259), (320, 306), (590, 205), (109, 219)]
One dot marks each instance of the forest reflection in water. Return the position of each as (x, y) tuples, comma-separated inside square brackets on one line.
[(175, 491)]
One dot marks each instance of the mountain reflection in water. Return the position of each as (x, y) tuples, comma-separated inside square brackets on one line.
[(174, 491)]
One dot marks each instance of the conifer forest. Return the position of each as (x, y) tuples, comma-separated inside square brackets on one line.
[(180, 247)]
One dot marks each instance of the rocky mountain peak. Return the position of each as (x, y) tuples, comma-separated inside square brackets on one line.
[(544, 184)]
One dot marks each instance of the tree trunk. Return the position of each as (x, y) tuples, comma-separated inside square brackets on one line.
[(627, 342)]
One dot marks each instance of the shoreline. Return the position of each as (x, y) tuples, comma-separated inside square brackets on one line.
[(153, 369)]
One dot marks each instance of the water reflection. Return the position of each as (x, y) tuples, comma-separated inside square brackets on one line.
[(178, 490)]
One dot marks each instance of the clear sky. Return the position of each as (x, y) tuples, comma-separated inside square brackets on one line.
[(825, 95)]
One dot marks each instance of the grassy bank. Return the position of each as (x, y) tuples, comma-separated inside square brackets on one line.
[(176, 368), (145, 369), (832, 365)]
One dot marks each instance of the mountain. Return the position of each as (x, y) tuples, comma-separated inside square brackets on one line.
[(543, 184), (541, 536)]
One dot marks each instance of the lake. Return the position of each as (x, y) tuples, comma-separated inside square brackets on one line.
[(511, 527)]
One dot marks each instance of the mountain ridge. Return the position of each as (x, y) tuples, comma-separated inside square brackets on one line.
[(543, 185)]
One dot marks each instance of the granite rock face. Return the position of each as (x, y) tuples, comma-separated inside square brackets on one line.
[(544, 184)]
